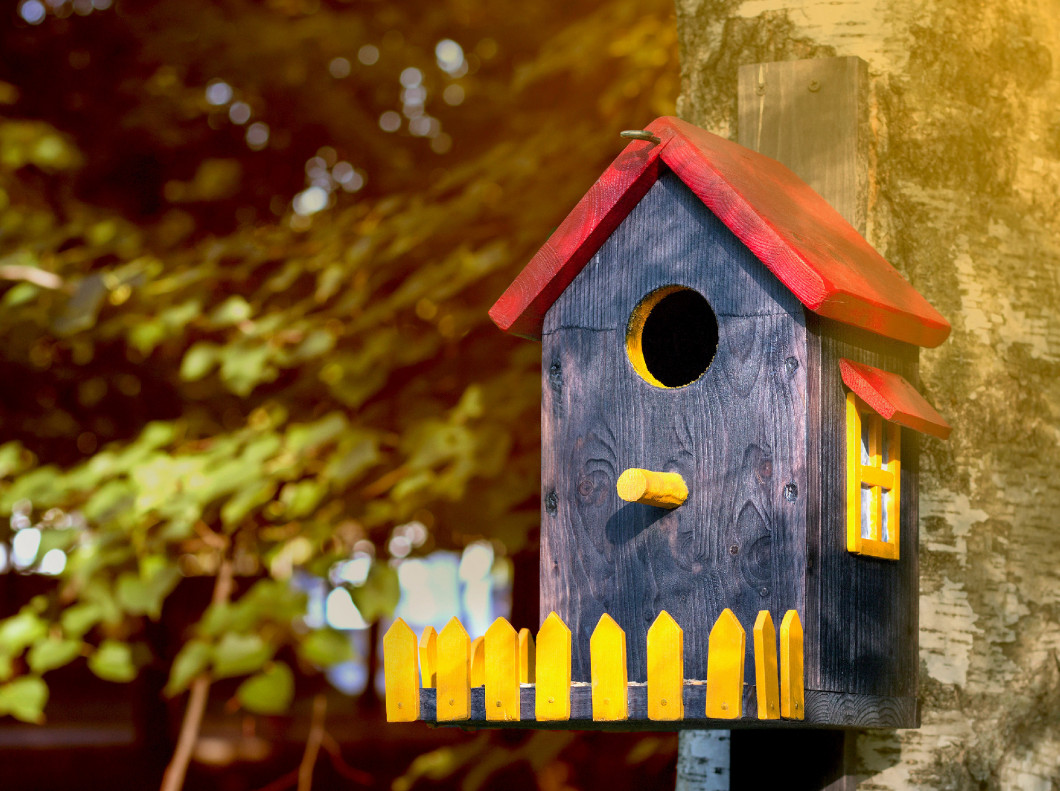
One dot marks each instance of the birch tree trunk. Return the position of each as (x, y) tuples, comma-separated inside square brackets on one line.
[(964, 200)]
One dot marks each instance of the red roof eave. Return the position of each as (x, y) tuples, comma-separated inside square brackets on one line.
[(893, 398), (794, 232)]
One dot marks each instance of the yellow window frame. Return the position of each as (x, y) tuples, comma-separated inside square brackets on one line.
[(883, 479)]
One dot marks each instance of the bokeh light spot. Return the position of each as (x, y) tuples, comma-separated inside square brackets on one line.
[(239, 113), (32, 11), (390, 121), (411, 77), (24, 547), (449, 55), (53, 562), (310, 201), (453, 95), (339, 68), (218, 92), (441, 144), (368, 54), (257, 135)]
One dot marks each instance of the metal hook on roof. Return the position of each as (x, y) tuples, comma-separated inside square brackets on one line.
[(641, 134)]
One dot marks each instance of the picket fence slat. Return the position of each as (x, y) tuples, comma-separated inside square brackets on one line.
[(401, 674), (429, 657), (527, 657), (478, 661), (502, 672), (607, 666), (553, 667), (726, 648), (666, 669), (792, 693), (453, 665), (766, 681), (453, 702)]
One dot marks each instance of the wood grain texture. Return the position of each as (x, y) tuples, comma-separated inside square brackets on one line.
[(806, 112), (823, 709), (893, 398), (860, 619), (819, 257), (736, 435)]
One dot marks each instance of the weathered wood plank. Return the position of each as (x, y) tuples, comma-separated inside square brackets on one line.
[(806, 112), (823, 709), (861, 612), (736, 435)]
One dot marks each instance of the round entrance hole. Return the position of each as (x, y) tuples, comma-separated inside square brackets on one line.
[(672, 336)]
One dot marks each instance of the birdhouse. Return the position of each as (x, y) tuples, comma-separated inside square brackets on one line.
[(730, 430)]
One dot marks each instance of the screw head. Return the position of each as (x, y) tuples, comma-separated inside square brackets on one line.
[(399, 705), (498, 704), (763, 592), (551, 700), (724, 706), (452, 702), (791, 491), (734, 549), (662, 702), (814, 86)]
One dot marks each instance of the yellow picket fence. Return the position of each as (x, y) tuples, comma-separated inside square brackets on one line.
[(503, 661)]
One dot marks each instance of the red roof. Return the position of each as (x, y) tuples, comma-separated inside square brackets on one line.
[(893, 398), (789, 227)]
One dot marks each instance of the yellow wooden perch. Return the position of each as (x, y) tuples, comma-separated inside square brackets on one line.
[(504, 662), (662, 489)]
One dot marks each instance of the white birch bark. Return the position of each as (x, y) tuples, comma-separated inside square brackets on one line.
[(965, 201)]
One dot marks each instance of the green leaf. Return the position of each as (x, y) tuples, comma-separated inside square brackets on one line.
[(20, 631), (239, 654), (325, 647), (113, 661), (24, 699), (198, 361), (232, 311), (378, 596), (145, 593), (192, 660), (52, 653), (79, 618), (268, 692)]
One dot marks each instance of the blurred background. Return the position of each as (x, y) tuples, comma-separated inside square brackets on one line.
[(252, 406)]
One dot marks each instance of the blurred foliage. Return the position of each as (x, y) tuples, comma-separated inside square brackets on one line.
[(196, 373)]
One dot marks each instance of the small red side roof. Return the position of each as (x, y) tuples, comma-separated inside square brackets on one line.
[(893, 398), (793, 231)]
